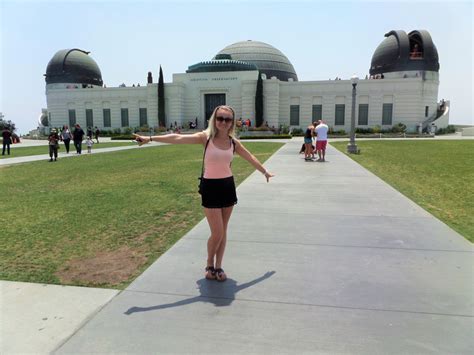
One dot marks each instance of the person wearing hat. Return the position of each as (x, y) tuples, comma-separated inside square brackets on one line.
[(53, 140)]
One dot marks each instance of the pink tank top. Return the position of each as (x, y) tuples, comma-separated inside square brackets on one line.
[(217, 161)]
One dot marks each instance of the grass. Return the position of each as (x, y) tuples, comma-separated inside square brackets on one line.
[(18, 151), (100, 220), (437, 175)]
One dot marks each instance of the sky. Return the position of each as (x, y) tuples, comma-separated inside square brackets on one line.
[(129, 38)]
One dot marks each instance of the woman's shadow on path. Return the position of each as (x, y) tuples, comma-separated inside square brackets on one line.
[(219, 293)]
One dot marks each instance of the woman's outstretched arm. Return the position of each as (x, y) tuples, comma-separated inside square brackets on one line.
[(244, 153), (196, 138)]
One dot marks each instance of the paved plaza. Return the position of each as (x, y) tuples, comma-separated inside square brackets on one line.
[(326, 258)]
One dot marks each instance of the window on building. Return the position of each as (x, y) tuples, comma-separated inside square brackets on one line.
[(317, 112), (387, 114), (124, 115), (294, 115), (107, 120), (72, 118), (143, 117), (340, 113), (427, 110), (89, 118), (363, 115)]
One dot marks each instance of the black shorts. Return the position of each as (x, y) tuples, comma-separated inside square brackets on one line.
[(218, 193)]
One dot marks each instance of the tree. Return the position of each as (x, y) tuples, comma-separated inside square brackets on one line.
[(7, 124), (161, 100), (259, 102)]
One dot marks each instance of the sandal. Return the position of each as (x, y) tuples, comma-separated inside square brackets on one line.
[(210, 273), (220, 275)]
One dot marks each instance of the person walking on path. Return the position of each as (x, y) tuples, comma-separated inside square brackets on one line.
[(7, 140), (53, 142), (66, 137), (77, 136), (321, 140), (217, 187), (96, 133)]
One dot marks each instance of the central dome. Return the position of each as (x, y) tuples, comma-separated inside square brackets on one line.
[(269, 60)]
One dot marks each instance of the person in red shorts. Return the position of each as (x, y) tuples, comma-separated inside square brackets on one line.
[(321, 139)]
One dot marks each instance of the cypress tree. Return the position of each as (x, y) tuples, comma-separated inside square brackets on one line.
[(259, 102), (161, 100)]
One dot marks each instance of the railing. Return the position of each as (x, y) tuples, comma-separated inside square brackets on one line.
[(416, 55), (443, 109)]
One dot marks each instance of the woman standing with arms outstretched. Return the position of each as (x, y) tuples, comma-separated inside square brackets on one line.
[(217, 187)]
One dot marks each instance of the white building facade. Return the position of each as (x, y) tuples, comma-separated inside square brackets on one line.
[(397, 91)]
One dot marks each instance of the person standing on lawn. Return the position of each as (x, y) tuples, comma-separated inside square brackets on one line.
[(217, 186), (53, 143), (78, 135), (96, 133), (7, 140)]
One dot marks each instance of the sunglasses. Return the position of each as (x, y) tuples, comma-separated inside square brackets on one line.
[(226, 119)]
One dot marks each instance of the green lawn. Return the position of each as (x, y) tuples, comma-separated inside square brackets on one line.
[(100, 220), (437, 175), (19, 151)]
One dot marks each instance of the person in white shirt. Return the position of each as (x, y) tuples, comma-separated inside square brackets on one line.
[(89, 143), (321, 139)]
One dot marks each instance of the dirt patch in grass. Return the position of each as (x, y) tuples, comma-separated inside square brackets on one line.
[(121, 231), (109, 267)]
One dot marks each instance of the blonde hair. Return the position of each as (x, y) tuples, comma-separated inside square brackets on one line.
[(212, 130)]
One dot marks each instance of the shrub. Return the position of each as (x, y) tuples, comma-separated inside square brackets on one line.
[(116, 131), (331, 130), (399, 128), (360, 130), (284, 129), (261, 128), (159, 129), (297, 131), (447, 130), (127, 130)]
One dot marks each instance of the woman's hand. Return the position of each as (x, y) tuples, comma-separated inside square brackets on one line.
[(268, 175), (142, 139)]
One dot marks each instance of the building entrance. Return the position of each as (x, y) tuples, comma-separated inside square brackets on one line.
[(211, 101)]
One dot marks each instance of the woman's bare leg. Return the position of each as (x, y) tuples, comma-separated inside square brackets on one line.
[(226, 213), (307, 153), (214, 218)]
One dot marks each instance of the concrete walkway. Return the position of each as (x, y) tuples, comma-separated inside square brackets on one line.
[(72, 154), (326, 258), (36, 318)]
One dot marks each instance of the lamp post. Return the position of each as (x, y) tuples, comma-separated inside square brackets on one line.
[(352, 147)]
